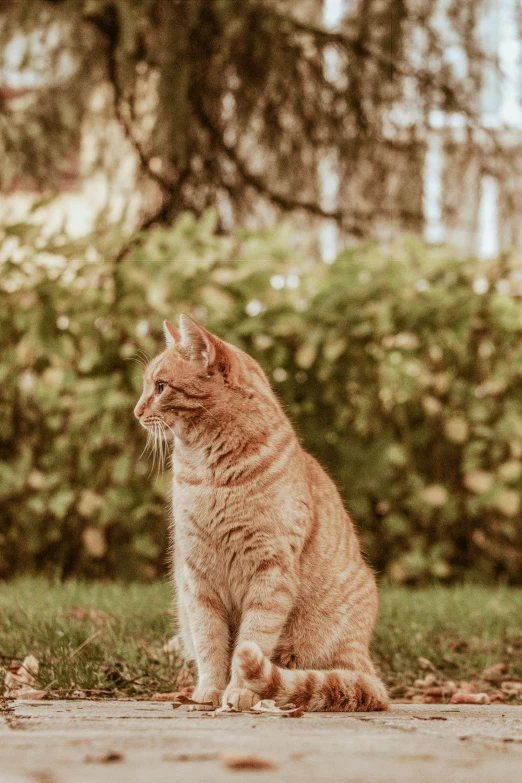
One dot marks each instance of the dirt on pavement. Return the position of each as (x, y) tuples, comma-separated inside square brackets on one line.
[(131, 741)]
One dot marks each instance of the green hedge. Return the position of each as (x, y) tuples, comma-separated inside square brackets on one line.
[(400, 371)]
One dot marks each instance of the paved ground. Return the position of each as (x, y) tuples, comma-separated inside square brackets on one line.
[(109, 742)]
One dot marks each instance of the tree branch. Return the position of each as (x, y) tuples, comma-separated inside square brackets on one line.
[(108, 26), (260, 185)]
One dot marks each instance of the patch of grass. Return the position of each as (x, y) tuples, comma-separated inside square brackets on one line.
[(118, 647), (115, 648), (462, 630)]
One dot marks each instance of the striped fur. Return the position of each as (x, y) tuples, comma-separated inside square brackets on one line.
[(274, 597), (333, 690)]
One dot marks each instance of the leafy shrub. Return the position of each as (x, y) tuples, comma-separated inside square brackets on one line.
[(400, 370)]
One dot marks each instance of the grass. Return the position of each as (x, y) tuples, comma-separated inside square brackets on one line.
[(461, 630), (117, 648)]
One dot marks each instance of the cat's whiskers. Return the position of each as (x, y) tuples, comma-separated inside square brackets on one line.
[(146, 447), (159, 444), (141, 362), (154, 447), (143, 355), (161, 463)]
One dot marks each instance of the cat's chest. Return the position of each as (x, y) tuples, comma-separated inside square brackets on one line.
[(223, 535), (213, 530), (210, 520)]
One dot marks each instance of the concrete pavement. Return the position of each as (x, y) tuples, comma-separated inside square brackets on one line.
[(135, 741)]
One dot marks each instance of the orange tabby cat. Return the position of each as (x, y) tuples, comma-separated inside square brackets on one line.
[(275, 600)]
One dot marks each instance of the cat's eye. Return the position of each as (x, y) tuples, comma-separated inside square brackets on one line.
[(160, 386)]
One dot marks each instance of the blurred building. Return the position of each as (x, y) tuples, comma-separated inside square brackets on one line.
[(448, 181), (459, 182), (470, 199)]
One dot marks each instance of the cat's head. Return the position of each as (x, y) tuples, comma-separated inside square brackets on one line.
[(200, 381)]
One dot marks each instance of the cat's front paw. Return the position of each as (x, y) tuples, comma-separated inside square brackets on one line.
[(207, 698), (240, 698)]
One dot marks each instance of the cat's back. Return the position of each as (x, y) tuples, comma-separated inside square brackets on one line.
[(332, 549)]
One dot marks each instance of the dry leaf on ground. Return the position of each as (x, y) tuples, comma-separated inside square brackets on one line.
[(297, 713), (469, 698), (269, 706), (29, 693), (511, 687), (494, 673), (240, 761), (183, 699), (21, 675), (439, 693), (426, 682), (165, 697)]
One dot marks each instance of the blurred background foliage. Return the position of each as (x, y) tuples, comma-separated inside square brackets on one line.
[(149, 150), (399, 367)]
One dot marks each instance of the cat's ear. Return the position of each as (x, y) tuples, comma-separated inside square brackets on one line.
[(198, 344), (172, 334)]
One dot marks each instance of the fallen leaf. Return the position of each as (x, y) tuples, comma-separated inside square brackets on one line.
[(166, 697), (269, 706), (238, 761), (494, 673), (265, 705), (437, 694), (29, 693), (497, 697), (427, 682), (187, 700), (297, 713), (469, 698), (512, 687), (21, 675), (433, 696)]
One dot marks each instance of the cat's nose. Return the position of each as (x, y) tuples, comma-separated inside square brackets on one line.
[(138, 410)]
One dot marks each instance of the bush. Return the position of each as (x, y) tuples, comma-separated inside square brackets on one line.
[(400, 370)]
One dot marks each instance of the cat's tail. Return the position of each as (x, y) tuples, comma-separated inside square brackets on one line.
[(335, 690)]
